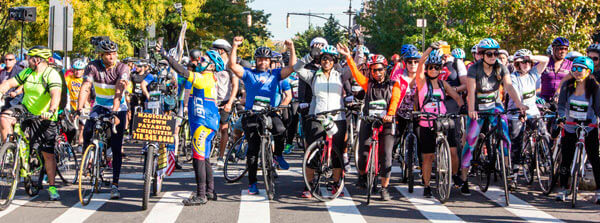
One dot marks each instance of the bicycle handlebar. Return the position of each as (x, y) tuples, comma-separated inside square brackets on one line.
[(103, 118)]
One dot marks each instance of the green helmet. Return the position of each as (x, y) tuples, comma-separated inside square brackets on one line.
[(39, 51)]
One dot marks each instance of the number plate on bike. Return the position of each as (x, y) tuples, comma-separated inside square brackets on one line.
[(153, 128)]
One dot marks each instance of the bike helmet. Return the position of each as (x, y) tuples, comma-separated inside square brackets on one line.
[(276, 56), (474, 49), (572, 55), (593, 48), (413, 54), (549, 50), (560, 41), (435, 57), (458, 53), (522, 53), (222, 45), (330, 50), (364, 49), (185, 61), (195, 55), (487, 44), (406, 48), (216, 59), (79, 64), (318, 40), (39, 51), (376, 59), (584, 62), (263, 52), (107, 46), (504, 52)]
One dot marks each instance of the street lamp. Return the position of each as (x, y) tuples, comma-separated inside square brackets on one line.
[(248, 17), (422, 23)]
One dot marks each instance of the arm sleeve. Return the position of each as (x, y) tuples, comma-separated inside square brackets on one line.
[(180, 69), (302, 72), (360, 78), (562, 100), (397, 96)]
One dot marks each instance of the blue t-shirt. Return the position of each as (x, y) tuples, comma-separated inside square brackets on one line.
[(261, 83), (284, 85)]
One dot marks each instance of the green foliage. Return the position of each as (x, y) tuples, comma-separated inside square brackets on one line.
[(331, 31)]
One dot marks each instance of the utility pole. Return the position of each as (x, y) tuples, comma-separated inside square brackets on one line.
[(349, 12)]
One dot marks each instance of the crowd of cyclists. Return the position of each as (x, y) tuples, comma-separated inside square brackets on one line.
[(495, 91)]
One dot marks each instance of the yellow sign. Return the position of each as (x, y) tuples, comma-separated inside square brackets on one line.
[(154, 128)]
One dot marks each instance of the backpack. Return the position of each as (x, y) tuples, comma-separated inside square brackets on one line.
[(64, 92)]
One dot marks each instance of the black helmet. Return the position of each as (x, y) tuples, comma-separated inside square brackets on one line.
[(263, 52), (195, 54), (107, 46)]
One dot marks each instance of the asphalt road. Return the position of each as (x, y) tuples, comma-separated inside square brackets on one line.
[(234, 205)]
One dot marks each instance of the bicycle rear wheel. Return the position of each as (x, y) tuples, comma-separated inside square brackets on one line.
[(268, 169), (10, 166), (575, 176), (543, 163), (356, 151), (411, 149), (323, 183), (235, 161), (444, 170), (87, 179), (556, 160), (528, 156), (66, 163), (156, 179), (371, 172), (485, 165), (148, 174)]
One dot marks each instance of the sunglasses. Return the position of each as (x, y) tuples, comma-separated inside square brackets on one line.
[(563, 48), (595, 58), (578, 69), (11, 59), (490, 54), (434, 67), (378, 69), (523, 62), (412, 62), (327, 59)]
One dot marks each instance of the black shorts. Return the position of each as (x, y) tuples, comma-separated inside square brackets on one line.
[(42, 133), (223, 114), (426, 139)]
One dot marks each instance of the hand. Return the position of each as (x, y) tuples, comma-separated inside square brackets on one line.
[(388, 118), (473, 115), (343, 50), (238, 40), (115, 120), (436, 45), (523, 108), (227, 107), (289, 44), (315, 51), (47, 115), (12, 94)]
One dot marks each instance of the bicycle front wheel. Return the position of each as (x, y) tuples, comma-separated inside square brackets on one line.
[(543, 163), (575, 175), (66, 163), (148, 174), (235, 162), (500, 158), (10, 166), (87, 178), (156, 178), (444, 170), (484, 166), (322, 184), (528, 156), (371, 171), (268, 169)]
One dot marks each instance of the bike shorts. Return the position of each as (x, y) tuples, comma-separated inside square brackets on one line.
[(426, 139), (42, 133), (201, 141)]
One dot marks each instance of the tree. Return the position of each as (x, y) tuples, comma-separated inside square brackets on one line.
[(332, 32)]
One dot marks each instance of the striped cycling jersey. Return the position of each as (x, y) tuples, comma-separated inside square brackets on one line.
[(105, 80), (202, 104)]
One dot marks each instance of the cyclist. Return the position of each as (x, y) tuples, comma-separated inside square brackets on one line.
[(73, 83), (379, 90), (558, 68), (524, 80), (411, 59), (41, 96), (260, 82), (432, 92), (593, 52), (328, 91), (227, 85), (10, 70), (476, 56), (109, 77), (485, 77), (578, 102)]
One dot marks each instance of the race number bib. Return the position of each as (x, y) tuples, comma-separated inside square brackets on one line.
[(434, 102), (260, 103), (578, 109), (377, 108), (529, 98), (294, 85), (154, 101), (486, 101)]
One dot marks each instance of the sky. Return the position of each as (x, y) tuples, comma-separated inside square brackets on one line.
[(279, 9)]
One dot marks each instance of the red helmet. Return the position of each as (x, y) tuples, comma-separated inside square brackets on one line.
[(376, 59), (395, 57)]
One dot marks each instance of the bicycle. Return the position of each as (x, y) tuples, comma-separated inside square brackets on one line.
[(319, 158), (372, 167), (94, 159), (577, 169), (185, 140), (269, 167), (19, 160), (354, 110), (406, 153), (66, 159), (235, 161)]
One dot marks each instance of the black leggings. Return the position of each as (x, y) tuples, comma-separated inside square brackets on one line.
[(386, 145), (291, 121), (315, 132), (251, 127), (568, 151), (205, 183)]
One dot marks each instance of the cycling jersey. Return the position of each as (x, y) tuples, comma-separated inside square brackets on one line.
[(457, 69), (74, 85), (223, 85), (36, 89), (261, 84), (487, 91), (434, 104), (551, 79), (578, 108), (284, 85), (202, 104), (105, 80), (526, 86)]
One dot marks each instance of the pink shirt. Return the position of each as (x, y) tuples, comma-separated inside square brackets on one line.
[(435, 101)]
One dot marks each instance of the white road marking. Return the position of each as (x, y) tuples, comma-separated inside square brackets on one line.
[(254, 208), (168, 208), (79, 213), (431, 208), (343, 209), (518, 207), (17, 202)]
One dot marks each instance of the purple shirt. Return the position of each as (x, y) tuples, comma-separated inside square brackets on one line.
[(551, 79)]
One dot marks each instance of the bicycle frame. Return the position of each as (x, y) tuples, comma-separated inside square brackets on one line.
[(374, 143)]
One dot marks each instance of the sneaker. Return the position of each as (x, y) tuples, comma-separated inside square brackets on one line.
[(114, 192), (346, 162), (194, 201), (212, 196), (253, 189), (53, 192), (306, 194), (177, 166), (385, 194), (288, 149), (562, 195), (334, 190), (457, 181), (220, 162), (427, 192), (464, 190), (282, 163), (362, 182)]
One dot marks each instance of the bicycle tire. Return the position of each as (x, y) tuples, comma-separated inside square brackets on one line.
[(444, 170), (148, 165), (156, 184), (529, 162), (500, 158), (87, 174), (402, 159), (312, 159), (9, 152), (485, 164), (186, 139), (410, 158), (68, 164), (356, 151), (543, 164), (267, 168), (236, 156), (371, 172), (575, 176)]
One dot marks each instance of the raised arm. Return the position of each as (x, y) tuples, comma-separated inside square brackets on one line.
[(287, 70), (358, 76), (421, 69), (237, 69)]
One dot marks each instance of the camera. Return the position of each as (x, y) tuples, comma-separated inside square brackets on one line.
[(27, 14)]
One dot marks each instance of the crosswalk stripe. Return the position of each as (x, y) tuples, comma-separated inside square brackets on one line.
[(431, 208), (343, 209), (17, 202), (168, 208), (518, 207), (216, 173), (254, 208), (79, 213)]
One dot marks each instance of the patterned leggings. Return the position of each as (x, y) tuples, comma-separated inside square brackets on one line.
[(473, 130)]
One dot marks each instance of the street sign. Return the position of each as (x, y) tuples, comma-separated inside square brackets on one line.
[(60, 25), (421, 23)]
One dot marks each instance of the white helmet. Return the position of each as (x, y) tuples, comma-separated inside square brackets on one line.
[(572, 55), (221, 44), (318, 40)]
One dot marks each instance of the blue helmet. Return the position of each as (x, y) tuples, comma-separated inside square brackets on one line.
[(458, 53), (216, 59), (585, 62), (406, 48), (363, 48), (560, 41), (79, 64), (331, 50), (435, 57), (487, 44), (413, 54)]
